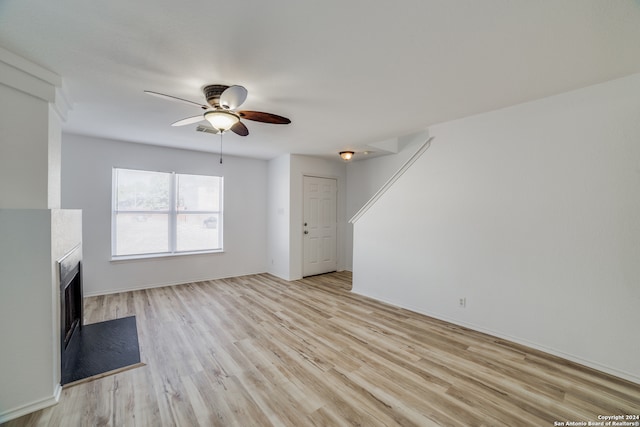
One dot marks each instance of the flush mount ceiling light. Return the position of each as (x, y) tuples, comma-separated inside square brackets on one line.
[(347, 155), (221, 120)]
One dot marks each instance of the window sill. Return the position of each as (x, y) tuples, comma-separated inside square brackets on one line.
[(126, 258)]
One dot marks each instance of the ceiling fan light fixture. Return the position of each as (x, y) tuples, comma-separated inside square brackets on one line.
[(347, 155), (221, 120), (221, 112)]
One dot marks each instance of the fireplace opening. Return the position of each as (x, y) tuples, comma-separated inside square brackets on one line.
[(70, 269), (73, 307)]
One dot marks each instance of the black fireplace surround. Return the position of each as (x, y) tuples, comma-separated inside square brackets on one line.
[(70, 269)]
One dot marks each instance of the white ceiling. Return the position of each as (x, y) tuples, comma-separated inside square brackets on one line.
[(346, 72)]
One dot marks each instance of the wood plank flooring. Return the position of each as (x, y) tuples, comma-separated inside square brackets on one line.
[(259, 351)]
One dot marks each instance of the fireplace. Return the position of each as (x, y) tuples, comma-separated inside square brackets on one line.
[(70, 269)]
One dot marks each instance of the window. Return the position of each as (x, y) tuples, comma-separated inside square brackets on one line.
[(160, 213)]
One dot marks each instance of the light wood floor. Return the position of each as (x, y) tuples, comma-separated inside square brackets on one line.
[(258, 351)]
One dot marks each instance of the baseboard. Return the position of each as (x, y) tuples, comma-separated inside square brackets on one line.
[(161, 285), (31, 407), (57, 392), (554, 352)]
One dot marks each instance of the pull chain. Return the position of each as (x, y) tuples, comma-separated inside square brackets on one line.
[(220, 147)]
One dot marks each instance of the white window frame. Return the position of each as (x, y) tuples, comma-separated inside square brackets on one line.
[(172, 213)]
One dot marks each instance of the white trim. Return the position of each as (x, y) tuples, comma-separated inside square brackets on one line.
[(63, 103), (123, 258), (173, 212), (57, 392), (32, 407), (391, 180), (25, 76), (29, 67)]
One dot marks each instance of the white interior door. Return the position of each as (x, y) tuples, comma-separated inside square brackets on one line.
[(319, 225)]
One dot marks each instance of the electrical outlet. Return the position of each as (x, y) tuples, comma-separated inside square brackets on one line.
[(462, 302)]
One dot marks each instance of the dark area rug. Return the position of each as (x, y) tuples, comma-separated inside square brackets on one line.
[(101, 349)]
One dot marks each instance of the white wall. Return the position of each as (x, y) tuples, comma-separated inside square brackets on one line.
[(278, 216), (86, 184), (26, 371), (365, 177), (32, 241), (532, 213), (54, 159), (23, 150)]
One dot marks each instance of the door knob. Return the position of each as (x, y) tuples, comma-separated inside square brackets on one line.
[(306, 231)]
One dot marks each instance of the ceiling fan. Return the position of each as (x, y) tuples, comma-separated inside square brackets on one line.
[(221, 110)]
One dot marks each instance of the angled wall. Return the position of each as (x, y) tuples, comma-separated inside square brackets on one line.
[(532, 214), (366, 176)]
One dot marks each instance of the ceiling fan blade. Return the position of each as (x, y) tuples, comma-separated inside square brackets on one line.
[(240, 129), (188, 121), (259, 116), (175, 98), (233, 97)]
